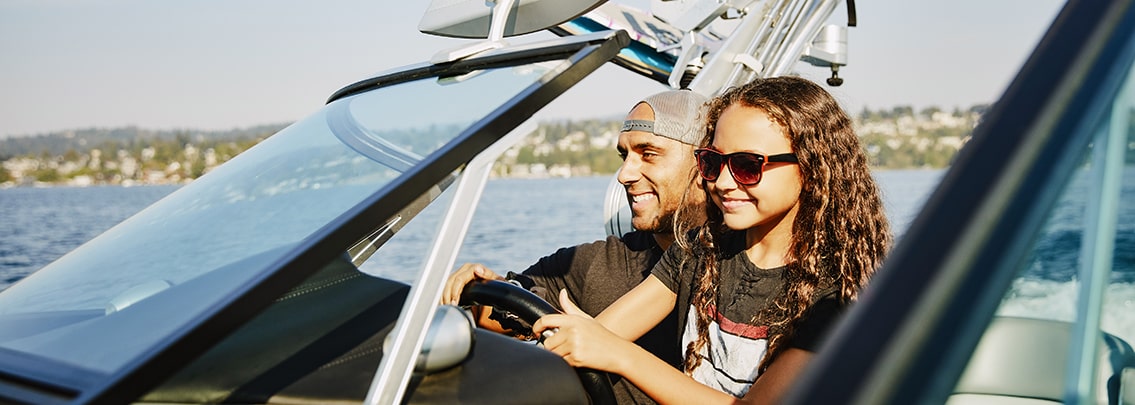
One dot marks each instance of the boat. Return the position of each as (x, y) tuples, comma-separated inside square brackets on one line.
[(247, 285)]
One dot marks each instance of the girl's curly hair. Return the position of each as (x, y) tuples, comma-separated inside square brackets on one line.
[(840, 234)]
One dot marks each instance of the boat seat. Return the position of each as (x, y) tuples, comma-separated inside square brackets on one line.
[(616, 209), (1021, 361)]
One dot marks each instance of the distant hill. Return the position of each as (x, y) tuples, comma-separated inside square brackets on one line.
[(58, 143), (895, 138)]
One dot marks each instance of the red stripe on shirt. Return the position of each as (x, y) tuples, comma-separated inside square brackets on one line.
[(740, 329)]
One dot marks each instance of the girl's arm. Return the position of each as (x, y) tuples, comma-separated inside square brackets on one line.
[(639, 310), (584, 342), (596, 342), (666, 384), (778, 377)]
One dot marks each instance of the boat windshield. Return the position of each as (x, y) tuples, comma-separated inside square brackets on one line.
[(148, 276)]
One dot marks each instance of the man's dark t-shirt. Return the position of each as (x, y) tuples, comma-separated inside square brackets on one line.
[(595, 275)]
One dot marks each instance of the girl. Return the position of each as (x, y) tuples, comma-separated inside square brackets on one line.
[(795, 229)]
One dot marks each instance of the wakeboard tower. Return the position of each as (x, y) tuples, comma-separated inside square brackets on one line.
[(704, 45)]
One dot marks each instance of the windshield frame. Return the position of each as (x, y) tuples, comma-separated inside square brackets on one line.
[(42, 380)]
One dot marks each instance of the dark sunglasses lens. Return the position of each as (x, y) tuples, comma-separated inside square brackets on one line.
[(746, 168), (709, 164)]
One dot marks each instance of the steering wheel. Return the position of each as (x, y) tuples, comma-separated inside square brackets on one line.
[(530, 307)]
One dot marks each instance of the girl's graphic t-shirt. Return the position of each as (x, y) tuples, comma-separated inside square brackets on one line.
[(738, 341)]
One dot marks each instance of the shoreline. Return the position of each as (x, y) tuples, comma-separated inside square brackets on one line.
[(10, 185)]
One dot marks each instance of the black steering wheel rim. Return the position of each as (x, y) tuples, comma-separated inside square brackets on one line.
[(530, 307)]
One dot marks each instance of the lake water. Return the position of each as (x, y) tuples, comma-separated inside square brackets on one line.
[(520, 220)]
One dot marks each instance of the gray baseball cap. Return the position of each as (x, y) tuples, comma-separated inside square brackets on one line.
[(678, 115)]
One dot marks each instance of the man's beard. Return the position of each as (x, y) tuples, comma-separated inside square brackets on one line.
[(662, 224)]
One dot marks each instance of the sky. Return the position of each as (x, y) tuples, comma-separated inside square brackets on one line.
[(223, 64)]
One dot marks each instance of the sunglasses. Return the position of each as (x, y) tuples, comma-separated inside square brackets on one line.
[(745, 167)]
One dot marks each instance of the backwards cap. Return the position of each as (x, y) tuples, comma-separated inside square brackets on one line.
[(678, 115)]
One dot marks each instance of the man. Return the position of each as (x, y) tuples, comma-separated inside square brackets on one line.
[(657, 142)]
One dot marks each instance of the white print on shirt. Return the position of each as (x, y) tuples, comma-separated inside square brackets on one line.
[(730, 359)]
